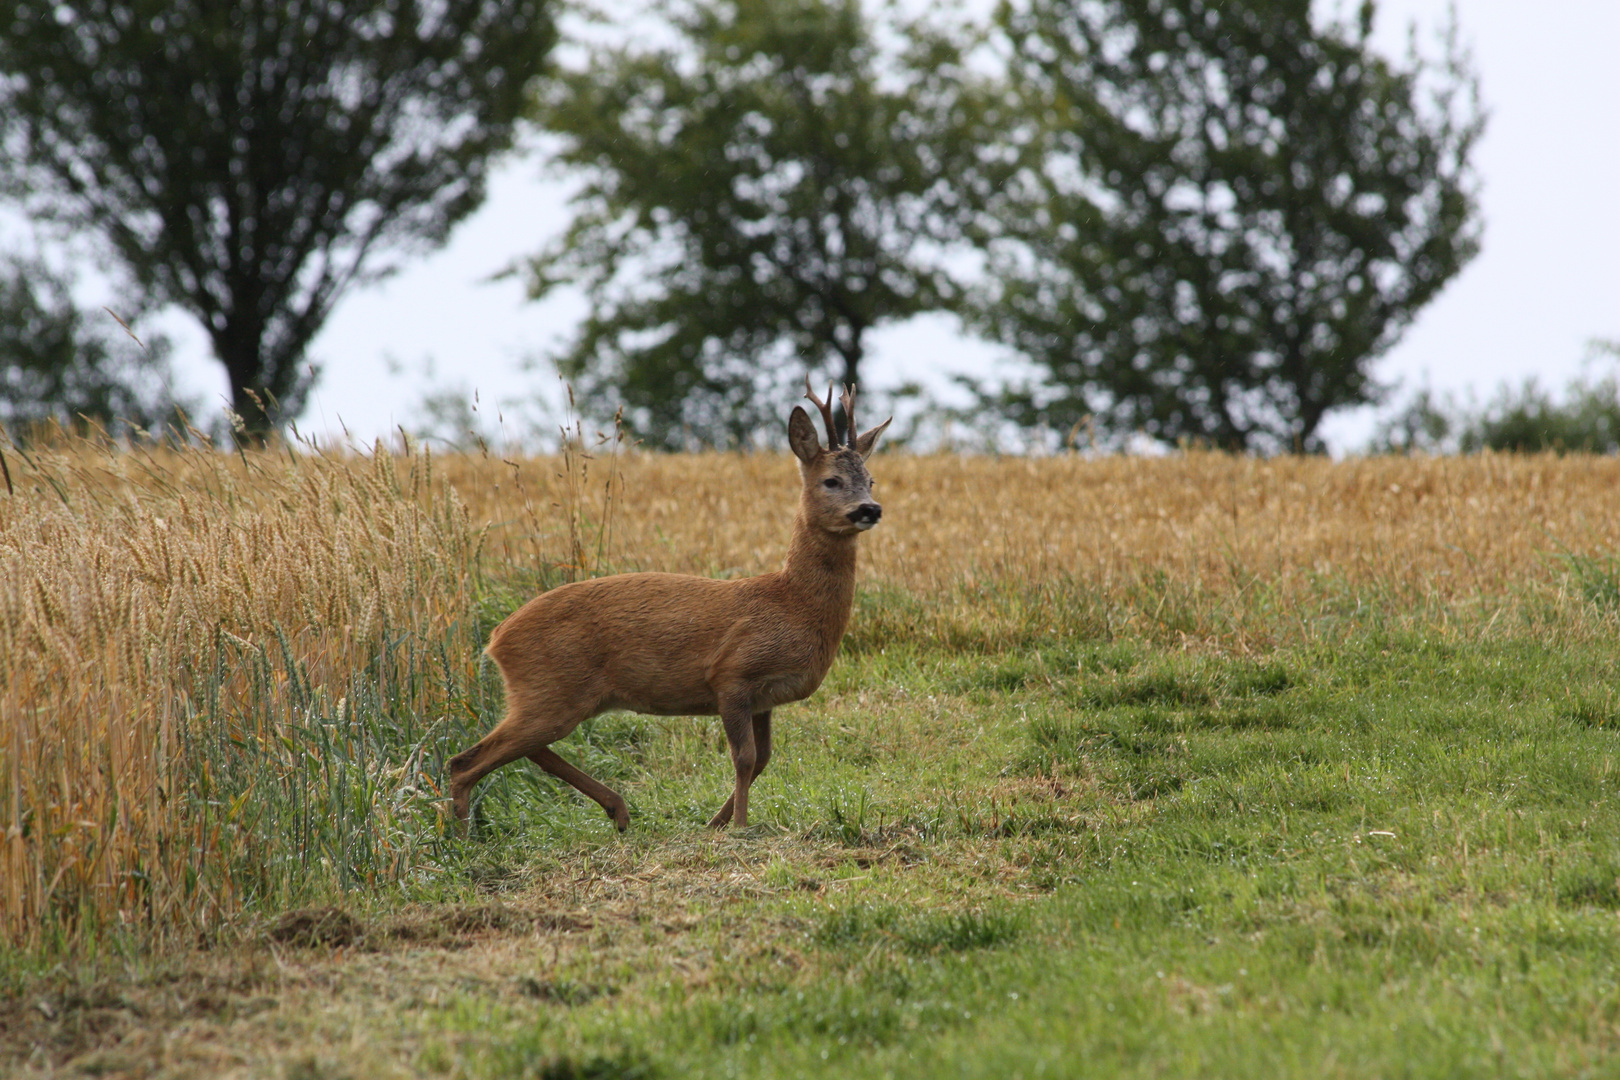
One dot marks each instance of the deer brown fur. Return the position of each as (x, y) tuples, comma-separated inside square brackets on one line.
[(674, 645)]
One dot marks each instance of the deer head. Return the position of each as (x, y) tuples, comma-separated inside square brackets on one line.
[(837, 494)]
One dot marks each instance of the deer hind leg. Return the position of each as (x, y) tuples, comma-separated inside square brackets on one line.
[(533, 722), (762, 755), (605, 797)]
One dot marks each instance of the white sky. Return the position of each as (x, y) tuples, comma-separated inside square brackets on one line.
[(1547, 281)]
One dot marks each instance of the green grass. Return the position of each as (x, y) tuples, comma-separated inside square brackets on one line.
[(1395, 857), (1397, 854)]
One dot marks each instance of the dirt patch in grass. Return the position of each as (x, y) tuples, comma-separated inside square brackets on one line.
[(114, 1026), (315, 928), (226, 1011), (458, 926), (453, 926)]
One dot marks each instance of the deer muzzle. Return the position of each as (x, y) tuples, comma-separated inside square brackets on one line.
[(865, 516)]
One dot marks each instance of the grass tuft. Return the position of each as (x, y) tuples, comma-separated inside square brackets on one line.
[(860, 926)]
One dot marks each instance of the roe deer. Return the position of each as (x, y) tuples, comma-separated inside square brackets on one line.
[(674, 645)]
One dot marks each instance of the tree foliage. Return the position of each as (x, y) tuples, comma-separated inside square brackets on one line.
[(1526, 419), (59, 364), (1226, 212), (251, 161), (757, 196)]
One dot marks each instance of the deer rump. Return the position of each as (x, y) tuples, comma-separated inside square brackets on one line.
[(660, 644)]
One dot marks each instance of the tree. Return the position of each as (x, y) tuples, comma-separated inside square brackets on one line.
[(251, 161), (757, 197), (57, 364), (1225, 214), (1523, 419)]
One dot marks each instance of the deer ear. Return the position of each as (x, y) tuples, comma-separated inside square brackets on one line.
[(865, 444), (802, 436)]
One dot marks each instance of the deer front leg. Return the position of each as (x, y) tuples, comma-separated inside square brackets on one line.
[(762, 756), (738, 721)]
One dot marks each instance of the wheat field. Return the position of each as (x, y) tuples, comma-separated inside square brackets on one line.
[(1450, 526), (229, 679)]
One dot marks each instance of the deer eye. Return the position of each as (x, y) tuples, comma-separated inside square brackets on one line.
[(832, 482)]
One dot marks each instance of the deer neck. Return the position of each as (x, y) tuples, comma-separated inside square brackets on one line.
[(820, 567)]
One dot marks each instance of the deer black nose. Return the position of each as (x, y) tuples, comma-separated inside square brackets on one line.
[(866, 515)]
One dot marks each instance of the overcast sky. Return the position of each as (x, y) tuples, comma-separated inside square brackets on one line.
[(1547, 281)]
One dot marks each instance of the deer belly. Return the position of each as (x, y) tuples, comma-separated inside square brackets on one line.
[(665, 706), (657, 691)]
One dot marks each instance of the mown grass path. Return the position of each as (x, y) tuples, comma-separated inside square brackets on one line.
[(1398, 855)]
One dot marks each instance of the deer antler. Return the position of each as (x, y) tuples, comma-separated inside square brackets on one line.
[(849, 414), (826, 413)]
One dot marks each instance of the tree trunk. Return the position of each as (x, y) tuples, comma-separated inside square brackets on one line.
[(852, 364), (852, 361), (237, 345)]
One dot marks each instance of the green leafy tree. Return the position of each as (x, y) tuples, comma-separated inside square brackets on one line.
[(251, 161), (1226, 213), (1524, 419), (757, 196), (1531, 419), (58, 363)]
